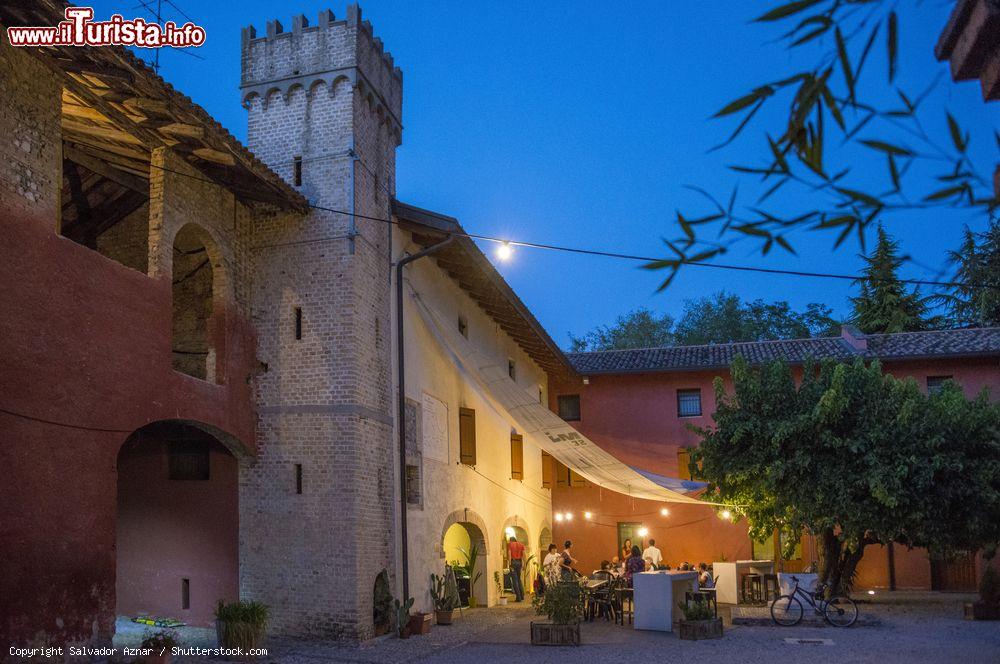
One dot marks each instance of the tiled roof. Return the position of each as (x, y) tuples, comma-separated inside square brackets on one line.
[(941, 343)]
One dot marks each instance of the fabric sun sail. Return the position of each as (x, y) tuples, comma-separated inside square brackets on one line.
[(544, 427)]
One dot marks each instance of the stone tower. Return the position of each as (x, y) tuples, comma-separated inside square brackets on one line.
[(317, 506)]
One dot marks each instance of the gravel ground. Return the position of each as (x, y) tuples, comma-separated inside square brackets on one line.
[(911, 628)]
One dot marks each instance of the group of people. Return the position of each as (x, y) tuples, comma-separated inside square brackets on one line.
[(558, 565)]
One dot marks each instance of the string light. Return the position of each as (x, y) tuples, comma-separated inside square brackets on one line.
[(559, 516), (643, 531), (504, 251), (726, 514), (664, 511), (568, 516), (587, 515)]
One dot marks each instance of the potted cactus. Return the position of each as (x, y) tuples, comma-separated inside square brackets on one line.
[(444, 591), (403, 617)]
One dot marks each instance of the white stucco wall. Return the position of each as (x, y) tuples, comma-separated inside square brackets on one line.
[(492, 499)]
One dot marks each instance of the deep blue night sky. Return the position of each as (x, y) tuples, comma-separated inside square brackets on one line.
[(580, 123)]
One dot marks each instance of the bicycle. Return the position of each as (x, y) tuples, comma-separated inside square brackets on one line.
[(839, 611)]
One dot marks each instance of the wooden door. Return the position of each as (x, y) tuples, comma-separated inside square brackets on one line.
[(956, 574)]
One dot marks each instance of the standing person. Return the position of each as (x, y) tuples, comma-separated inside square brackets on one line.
[(567, 562), (626, 549), (550, 566), (516, 552), (653, 555), (634, 565)]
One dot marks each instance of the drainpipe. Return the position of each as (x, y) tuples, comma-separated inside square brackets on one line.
[(401, 402)]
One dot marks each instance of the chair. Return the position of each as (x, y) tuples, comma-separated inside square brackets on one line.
[(625, 604), (601, 601), (752, 589), (771, 589)]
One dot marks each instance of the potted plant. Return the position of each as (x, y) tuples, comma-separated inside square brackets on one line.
[(403, 617), (563, 604), (241, 624), (444, 591), (988, 606), (160, 646), (699, 621), (471, 560), (498, 581)]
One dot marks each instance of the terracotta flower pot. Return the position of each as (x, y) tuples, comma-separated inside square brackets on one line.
[(443, 617)]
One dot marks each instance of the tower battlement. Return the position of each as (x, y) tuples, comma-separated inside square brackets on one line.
[(333, 49)]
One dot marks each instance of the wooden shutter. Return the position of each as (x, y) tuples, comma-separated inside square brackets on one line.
[(576, 480), (562, 474), (683, 459), (467, 436), (548, 470), (516, 457)]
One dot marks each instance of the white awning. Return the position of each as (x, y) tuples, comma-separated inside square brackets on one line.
[(545, 428)]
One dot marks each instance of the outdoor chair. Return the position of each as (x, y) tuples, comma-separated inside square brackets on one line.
[(752, 590), (601, 601), (771, 589), (624, 604)]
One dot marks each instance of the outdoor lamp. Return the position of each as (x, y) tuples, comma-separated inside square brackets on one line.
[(504, 251), (559, 516)]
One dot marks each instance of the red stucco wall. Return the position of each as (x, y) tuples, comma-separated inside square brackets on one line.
[(85, 342), (634, 416)]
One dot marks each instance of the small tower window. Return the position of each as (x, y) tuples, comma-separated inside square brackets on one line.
[(512, 369), (298, 478), (297, 175), (463, 327), (298, 323)]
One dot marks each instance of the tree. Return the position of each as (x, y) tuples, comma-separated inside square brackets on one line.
[(828, 115), (885, 305), (854, 457), (637, 329), (975, 299), (724, 318)]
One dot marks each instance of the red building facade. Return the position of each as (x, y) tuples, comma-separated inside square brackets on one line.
[(639, 405)]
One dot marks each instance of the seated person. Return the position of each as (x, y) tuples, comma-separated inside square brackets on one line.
[(616, 566), (705, 579)]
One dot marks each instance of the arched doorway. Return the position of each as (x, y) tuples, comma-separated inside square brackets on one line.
[(177, 524), (460, 539), (544, 539), (197, 284)]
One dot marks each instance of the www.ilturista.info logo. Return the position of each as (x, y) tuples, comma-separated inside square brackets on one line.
[(79, 29)]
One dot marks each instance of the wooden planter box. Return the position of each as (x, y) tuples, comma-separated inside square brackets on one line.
[(696, 630), (551, 634), (981, 611)]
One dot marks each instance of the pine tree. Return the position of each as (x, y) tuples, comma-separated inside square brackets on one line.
[(885, 305), (975, 301)]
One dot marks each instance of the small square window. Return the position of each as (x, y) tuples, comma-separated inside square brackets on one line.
[(569, 407), (188, 460), (688, 403), (936, 383), (463, 327), (512, 369), (297, 171)]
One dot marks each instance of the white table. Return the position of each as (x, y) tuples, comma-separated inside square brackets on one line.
[(727, 577), (656, 596), (807, 582)]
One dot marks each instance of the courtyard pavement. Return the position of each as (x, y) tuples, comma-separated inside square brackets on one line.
[(902, 627)]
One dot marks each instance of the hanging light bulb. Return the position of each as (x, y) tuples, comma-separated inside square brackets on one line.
[(569, 516), (726, 514), (664, 511), (559, 516), (587, 515), (504, 251), (643, 531)]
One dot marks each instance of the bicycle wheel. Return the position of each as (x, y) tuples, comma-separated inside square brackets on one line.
[(786, 611), (841, 612)]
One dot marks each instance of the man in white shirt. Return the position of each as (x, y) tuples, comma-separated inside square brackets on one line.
[(653, 555)]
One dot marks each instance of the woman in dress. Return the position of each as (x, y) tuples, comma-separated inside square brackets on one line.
[(550, 566)]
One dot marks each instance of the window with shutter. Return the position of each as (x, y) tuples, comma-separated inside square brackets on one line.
[(516, 457), (467, 436), (562, 474), (576, 480), (683, 459), (548, 470)]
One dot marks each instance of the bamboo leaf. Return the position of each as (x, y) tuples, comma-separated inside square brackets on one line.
[(893, 171), (888, 148), (861, 197), (831, 104), (845, 62), (745, 101), (836, 221), (784, 244), (783, 11), (751, 229), (685, 226), (956, 133), (947, 192), (891, 43)]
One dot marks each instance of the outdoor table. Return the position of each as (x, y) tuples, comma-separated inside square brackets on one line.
[(657, 595), (807, 581), (727, 577)]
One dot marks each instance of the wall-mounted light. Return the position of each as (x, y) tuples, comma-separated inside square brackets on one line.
[(509, 531)]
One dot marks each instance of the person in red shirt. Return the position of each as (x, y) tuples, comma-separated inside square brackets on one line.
[(516, 552)]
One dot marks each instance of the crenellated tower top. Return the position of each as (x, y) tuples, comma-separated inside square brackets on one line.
[(327, 52)]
